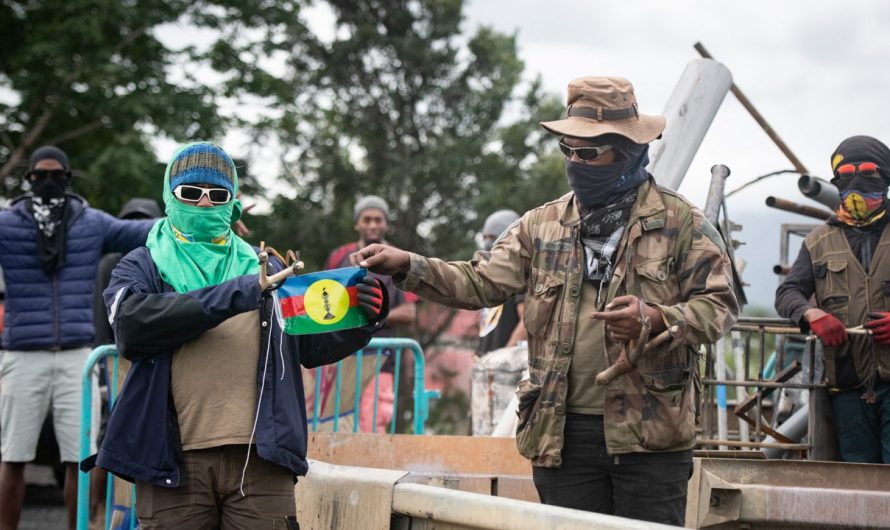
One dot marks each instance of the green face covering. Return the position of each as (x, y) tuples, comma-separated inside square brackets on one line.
[(195, 247)]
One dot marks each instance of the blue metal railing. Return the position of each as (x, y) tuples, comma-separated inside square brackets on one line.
[(378, 349), (86, 422), (377, 346)]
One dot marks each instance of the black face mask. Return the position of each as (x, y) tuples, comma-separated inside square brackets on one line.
[(596, 186), (49, 188), (593, 185)]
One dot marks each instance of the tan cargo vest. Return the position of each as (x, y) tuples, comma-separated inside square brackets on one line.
[(845, 290)]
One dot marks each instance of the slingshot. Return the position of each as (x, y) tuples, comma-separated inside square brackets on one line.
[(291, 259), (627, 361)]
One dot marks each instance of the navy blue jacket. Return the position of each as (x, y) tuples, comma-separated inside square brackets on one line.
[(47, 312), (151, 321)]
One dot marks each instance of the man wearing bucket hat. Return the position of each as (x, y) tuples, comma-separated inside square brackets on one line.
[(844, 267), (612, 258), (211, 420)]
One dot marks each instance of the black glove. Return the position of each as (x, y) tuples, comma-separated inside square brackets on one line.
[(370, 297)]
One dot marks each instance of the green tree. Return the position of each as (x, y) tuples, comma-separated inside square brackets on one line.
[(406, 107), (93, 77)]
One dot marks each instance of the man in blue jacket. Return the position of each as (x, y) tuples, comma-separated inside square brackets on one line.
[(211, 423), (50, 244)]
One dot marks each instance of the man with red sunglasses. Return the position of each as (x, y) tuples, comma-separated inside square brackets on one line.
[(841, 279)]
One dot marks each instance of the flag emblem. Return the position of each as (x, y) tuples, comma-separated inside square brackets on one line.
[(321, 301), (326, 302)]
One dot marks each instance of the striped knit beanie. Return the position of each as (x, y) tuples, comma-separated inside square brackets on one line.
[(203, 163)]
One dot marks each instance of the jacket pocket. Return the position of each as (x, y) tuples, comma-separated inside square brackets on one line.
[(654, 277), (539, 432), (528, 394), (833, 277), (543, 296), (668, 416), (885, 288)]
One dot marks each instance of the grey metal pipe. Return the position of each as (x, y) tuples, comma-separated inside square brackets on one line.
[(719, 174), (793, 207), (794, 428), (819, 190), (461, 509), (689, 112)]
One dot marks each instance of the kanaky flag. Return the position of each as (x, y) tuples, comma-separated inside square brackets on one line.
[(321, 301)]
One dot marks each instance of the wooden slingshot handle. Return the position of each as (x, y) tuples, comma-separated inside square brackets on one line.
[(294, 266), (627, 361)]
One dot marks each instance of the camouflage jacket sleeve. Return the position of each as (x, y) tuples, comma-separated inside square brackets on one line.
[(487, 280), (708, 306)]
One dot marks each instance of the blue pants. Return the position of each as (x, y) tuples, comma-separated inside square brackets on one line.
[(863, 429)]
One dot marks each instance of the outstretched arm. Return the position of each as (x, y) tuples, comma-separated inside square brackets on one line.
[(485, 281)]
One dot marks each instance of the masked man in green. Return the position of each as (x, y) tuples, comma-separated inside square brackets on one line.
[(211, 420)]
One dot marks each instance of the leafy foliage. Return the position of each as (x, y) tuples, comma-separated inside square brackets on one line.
[(92, 77), (397, 101), (408, 108)]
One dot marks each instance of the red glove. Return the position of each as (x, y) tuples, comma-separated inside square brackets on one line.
[(830, 330), (370, 297), (880, 327)]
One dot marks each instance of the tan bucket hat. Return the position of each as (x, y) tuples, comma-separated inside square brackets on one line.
[(605, 105)]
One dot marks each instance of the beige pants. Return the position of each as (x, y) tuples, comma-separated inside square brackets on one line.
[(210, 496), (31, 384)]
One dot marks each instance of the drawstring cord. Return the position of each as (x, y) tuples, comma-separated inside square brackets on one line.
[(256, 417), (277, 310)]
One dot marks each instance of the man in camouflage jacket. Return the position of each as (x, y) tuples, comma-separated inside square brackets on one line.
[(594, 264)]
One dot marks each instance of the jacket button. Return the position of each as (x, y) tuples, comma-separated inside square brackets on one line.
[(168, 481), (566, 347), (661, 276), (574, 292), (264, 324), (560, 409)]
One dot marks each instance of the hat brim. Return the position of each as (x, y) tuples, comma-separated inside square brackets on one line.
[(641, 130)]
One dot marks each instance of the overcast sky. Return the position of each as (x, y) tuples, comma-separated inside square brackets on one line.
[(819, 71)]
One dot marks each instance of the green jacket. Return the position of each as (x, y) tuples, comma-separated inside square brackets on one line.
[(669, 255)]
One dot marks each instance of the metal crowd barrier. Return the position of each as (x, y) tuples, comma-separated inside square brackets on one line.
[(757, 396), (375, 352), (375, 348), (86, 418)]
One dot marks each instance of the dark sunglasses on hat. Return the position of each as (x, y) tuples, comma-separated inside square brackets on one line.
[(866, 169), (586, 152), (184, 192), (58, 174)]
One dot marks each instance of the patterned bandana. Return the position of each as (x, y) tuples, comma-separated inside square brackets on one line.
[(859, 208), (48, 213), (601, 231)]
